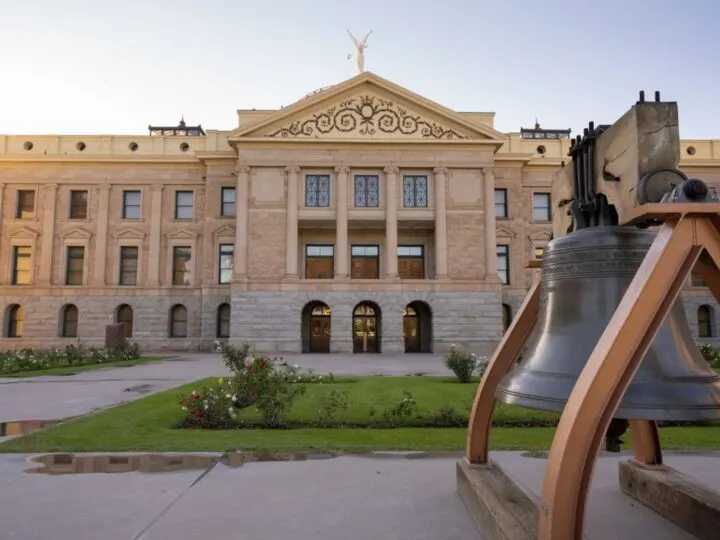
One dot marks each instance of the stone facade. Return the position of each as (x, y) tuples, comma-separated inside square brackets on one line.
[(466, 198)]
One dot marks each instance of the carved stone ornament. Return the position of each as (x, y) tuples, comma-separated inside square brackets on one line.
[(367, 115)]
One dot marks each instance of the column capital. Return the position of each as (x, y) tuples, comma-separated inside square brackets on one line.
[(342, 169), (242, 169), (292, 169), (51, 187), (157, 187), (487, 171), (391, 169), (440, 170)]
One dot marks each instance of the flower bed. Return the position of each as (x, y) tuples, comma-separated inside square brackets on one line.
[(17, 361)]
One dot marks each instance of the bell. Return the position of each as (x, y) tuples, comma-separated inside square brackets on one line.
[(583, 278)]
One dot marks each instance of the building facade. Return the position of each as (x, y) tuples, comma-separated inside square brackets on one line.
[(362, 218)]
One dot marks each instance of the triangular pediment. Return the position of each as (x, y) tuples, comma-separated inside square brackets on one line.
[(23, 232), (129, 234), (77, 232), (225, 230), (366, 107), (182, 234), (504, 230), (540, 236)]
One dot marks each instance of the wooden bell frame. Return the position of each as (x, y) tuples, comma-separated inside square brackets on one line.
[(686, 230)]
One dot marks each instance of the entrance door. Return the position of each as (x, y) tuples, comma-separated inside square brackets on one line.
[(365, 330), (411, 330), (319, 323)]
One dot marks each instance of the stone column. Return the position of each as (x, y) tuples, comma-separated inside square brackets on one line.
[(241, 221), (153, 279), (441, 255), (391, 223), (291, 231), (491, 265), (48, 235), (2, 204), (101, 236), (341, 223)]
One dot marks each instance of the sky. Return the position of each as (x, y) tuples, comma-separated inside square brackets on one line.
[(113, 67)]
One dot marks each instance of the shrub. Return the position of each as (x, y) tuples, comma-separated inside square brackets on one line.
[(711, 355), (70, 356), (463, 363), (404, 410), (331, 404)]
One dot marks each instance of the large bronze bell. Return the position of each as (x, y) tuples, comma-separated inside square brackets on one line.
[(583, 278)]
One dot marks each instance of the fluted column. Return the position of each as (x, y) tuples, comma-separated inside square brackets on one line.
[(391, 222), (291, 231), (99, 267), (491, 265), (241, 221), (441, 255), (48, 234), (153, 279), (341, 223)]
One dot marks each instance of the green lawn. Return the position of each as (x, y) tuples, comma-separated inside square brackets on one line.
[(149, 424), (71, 370)]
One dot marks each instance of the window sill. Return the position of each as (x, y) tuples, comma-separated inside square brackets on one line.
[(133, 220)]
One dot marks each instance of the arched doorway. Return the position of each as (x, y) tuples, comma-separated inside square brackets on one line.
[(316, 322), (506, 316), (125, 316), (417, 327), (367, 326)]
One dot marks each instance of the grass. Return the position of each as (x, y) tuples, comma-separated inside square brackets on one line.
[(72, 370), (149, 424)]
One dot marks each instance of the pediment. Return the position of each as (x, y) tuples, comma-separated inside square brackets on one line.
[(225, 230), (504, 230), (22, 231), (182, 234), (129, 234), (366, 107), (77, 232), (540, 236)]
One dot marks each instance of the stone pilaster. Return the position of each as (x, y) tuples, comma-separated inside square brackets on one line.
[(153, 279), (101, 236), (341, 223), (391, 222), (441, 255), (291, 231), (491, 265), (242, 206), (48, 235)]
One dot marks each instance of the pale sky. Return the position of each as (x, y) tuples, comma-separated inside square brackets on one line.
[(113, 67)]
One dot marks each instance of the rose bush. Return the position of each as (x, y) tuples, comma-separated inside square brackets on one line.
[(70, 356), (464, 364)]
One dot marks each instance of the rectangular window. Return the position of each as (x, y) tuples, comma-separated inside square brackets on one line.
[(411, 262), (128, 265), (319, 262), (131, 205), (503, 262), (227, 206), (75, 270), (365, 262), (25, 204), (226, 263), (539, 252), (415, 191), (317, 190), (541, 207), (501, 203), (22, 269), (78, 204), (366, 191), (184, 204), (182, 256)]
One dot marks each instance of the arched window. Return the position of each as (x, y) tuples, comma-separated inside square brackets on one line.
[(15, 321), (705, 321), (178, 321), (125, 316), (69, 321), (223, 321)]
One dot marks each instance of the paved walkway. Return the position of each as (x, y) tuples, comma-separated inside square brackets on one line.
[(55, 397)]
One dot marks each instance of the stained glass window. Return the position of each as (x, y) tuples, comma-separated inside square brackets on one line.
[(366, 191), (415, 192), (317, 190)]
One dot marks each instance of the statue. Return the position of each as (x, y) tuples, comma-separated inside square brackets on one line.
[(360, 50)]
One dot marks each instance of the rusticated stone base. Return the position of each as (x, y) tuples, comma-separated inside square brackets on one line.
[(272, 321)]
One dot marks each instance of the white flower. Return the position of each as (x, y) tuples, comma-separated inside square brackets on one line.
[(184, 408), (234, 398), (228, 396), (295, 366)]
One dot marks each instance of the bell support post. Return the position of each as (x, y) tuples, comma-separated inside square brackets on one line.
[(687, 229)]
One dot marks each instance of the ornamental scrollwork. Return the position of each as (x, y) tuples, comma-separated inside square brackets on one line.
[(368, 115)]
